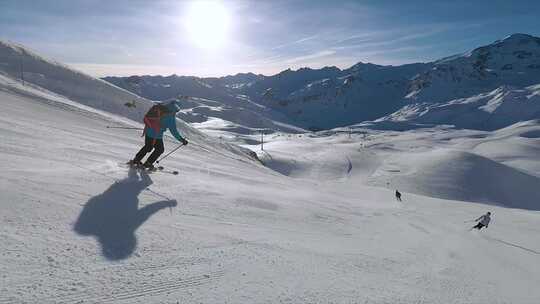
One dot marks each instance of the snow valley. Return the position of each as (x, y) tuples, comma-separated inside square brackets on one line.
[(312, 218)]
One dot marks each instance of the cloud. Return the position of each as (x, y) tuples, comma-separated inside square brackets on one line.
[(310, 56), (402, 49), (392, 37), (363, 36), (101, 70), (308, 38)]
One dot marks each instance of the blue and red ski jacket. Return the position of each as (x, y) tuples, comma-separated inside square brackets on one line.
[(155, 128)]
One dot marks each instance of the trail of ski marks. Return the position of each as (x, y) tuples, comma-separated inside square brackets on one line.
[(146, 289), (157, 277), (8, 300), (511, 244)]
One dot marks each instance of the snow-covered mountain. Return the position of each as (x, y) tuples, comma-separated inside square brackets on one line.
[(513, 61), (167, 87), (234, 81), (363, 92), (233, 120), (367, 91), (329, 97), (211, 103), (302, 96), (497, 109), (20, 63)]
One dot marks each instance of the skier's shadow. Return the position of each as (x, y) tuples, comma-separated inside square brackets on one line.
[(114, 215)]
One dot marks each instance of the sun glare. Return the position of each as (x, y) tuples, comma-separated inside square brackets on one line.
[(207, 24)]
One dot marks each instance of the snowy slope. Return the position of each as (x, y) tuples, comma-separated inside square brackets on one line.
[(66, 85), (323, 227), (494, 110), (60, 79), (79, 228), (363, 92), (307, 98), (513, 61), (211, 102), (499, 168), (208, 115)]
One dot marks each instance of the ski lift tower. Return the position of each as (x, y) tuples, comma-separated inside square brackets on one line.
[(262, 138)]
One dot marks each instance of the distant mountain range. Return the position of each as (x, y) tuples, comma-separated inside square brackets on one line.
[(487, 88), (331, 97)]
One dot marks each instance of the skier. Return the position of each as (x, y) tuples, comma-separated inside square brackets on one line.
[(398, 195), (158, 119), (483, 221)]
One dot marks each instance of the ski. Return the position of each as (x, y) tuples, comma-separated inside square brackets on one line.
[(163, 170), (154, 170)]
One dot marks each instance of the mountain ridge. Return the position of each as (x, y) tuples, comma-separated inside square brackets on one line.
[(322, 98), (330, 97)]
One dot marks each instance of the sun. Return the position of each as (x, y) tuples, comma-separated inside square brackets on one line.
[(207, 24)]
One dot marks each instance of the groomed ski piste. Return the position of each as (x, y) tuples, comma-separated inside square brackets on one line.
[(318, 224)]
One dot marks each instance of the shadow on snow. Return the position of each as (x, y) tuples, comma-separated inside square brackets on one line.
[(114, 215)]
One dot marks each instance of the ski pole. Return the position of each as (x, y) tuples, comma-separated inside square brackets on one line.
[(128, 128), (180, 146)]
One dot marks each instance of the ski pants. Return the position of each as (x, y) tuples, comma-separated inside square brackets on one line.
[(150, 144), (479, 226)]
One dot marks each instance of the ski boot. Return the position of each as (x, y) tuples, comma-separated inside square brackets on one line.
[(134, 163), (149, 167)]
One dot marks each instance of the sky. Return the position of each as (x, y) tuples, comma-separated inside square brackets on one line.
[(217, 38)]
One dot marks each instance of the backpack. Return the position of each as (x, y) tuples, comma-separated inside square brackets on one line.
[(153, 117)]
